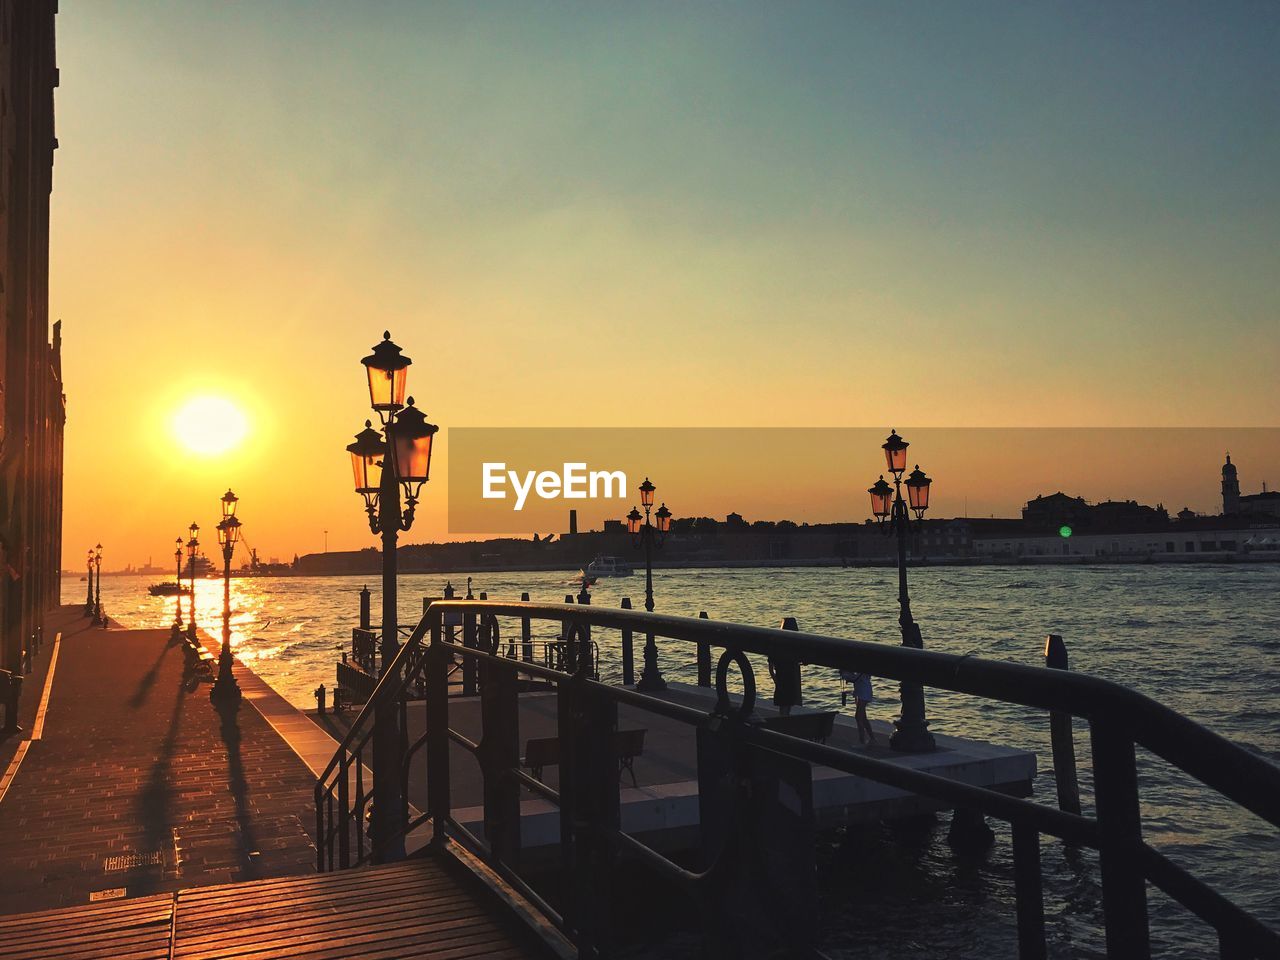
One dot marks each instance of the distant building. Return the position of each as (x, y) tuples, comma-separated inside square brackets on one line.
[(1264, 504), (1230, 489), (1055, 510)]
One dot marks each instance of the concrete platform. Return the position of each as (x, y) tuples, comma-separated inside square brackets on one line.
[(663, 805)]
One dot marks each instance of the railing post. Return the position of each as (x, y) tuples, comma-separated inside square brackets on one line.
[(439, 658), (390, 813), (1060, 735), (704, 658), (1124, 888), (526, 633), (364, 608), (589, 809), (1028, 891), (628, 653), (469, 663), (344, 814), (320, 826), (499, 756)]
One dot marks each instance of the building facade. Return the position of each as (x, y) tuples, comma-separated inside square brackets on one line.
[(32, 402)]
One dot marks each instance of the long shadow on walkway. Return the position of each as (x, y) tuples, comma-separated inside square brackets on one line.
[(156, 802), (246, 837)]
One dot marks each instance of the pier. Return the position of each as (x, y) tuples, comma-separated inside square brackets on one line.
[(137, 821)]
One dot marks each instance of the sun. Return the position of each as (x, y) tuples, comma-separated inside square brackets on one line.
[(210, 425)]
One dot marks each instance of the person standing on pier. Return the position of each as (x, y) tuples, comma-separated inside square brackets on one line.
[(862, 695)]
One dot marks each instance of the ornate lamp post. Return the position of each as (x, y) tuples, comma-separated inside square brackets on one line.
[(193, 551), (98, 618), (912, 729), (386, 465), (226, 692), (644, 532), (88, 599), (176, 635)]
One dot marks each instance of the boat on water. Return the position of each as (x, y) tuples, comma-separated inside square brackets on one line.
[(603, 566), (167, 589)]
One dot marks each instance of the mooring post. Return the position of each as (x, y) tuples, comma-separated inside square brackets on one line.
[(786, 676), (1060, 735), (364, 607), (628, 654), (704, 658), (526, 633)]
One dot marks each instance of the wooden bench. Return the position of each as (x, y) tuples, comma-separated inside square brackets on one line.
[(545, 752), (199, 660), (813, 726), (10, 691)]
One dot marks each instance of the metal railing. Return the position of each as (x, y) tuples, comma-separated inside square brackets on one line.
[(743, 770)]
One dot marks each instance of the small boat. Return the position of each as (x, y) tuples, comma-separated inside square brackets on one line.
[(603, 566), (167, 589)]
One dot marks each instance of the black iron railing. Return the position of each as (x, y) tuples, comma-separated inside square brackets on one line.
[(754, 810)]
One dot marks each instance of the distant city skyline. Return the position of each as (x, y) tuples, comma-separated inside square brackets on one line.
[(674, 215)]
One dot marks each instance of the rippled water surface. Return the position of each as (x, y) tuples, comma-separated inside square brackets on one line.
[(1205, 640)]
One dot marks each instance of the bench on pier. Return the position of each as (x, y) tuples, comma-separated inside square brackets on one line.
[(199, 659), (10, 690), (816, 726), (545, 752)]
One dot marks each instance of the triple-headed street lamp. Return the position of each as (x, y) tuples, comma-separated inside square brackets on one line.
[(88, 599), (912, 729), (176, 634), (644, 532), (387, 464), (226, 692), (193, 551), (98, 618)]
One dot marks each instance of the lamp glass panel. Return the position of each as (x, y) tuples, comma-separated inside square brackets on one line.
[(918, 494), (413, 459), (367, 471), (387, 387)]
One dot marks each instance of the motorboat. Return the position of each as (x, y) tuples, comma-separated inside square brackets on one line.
[(167, 589), (603, 566)]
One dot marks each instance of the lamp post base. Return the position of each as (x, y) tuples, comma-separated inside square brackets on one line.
[(650, 684), (911, 738), (225, 690), (175, 635)]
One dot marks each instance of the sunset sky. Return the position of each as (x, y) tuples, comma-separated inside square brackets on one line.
[(793, 214)]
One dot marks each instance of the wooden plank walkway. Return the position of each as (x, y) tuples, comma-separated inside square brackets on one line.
[(413, 909)]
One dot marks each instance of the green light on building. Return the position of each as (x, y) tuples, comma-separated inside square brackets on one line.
[(1064, 531)]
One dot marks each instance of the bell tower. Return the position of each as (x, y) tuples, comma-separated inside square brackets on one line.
[(1230, 488)]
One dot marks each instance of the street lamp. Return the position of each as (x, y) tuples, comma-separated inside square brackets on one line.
[(88, 599), (387, 466), (226, 692), (912, 729), (644, 532), (193, 550), (177, 611), (98, 618)]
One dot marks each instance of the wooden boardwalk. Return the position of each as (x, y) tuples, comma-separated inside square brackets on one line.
[(413, 909)]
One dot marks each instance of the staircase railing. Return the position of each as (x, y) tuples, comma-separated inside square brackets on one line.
[(753, 781)]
